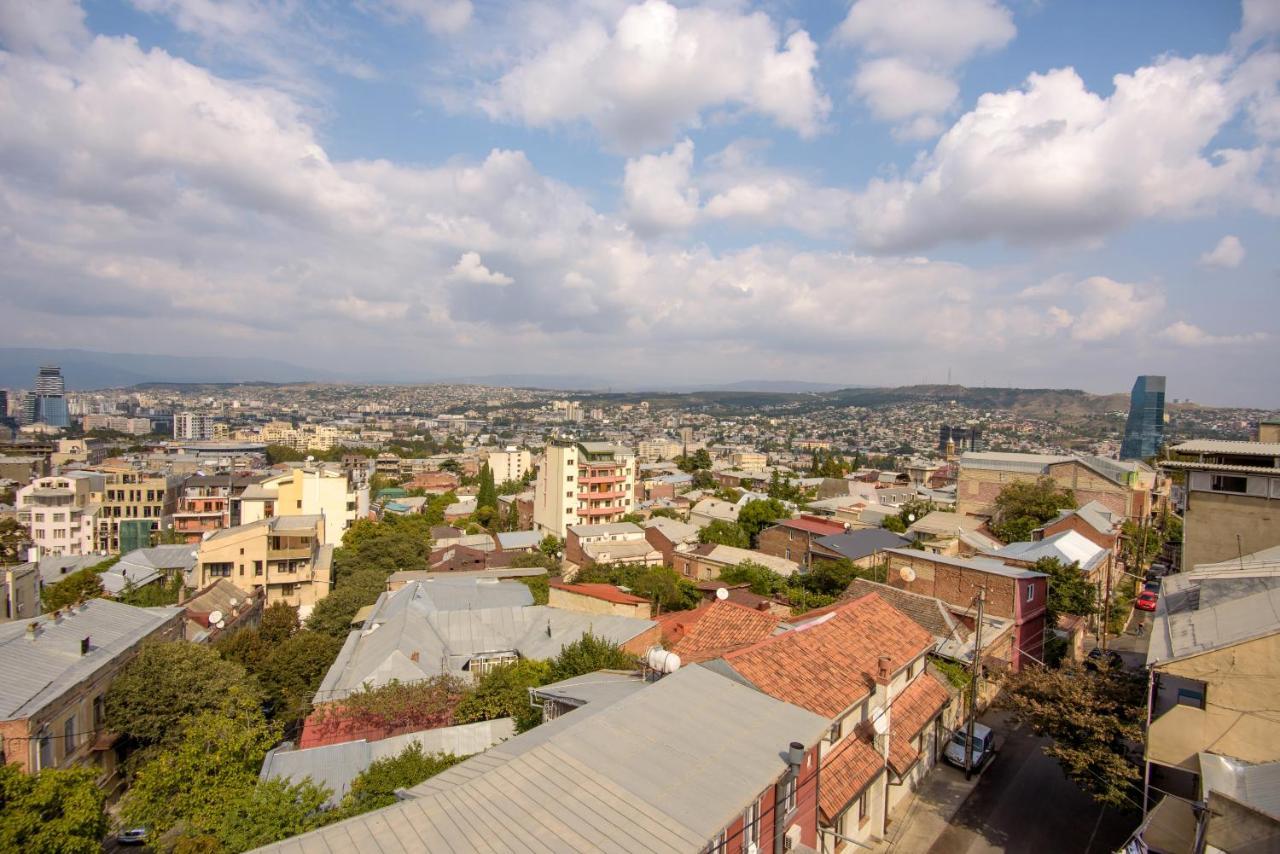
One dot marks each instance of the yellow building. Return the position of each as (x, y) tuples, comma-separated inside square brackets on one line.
[(306, 491), (285, 555), (142, 501)]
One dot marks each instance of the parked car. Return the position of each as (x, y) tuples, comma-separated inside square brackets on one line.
[(1146, 601), (984, 742), (1096, 656), (132, 836), (1157, 570), (1151, 587)]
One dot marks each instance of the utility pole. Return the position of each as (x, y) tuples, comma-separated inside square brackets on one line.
[(973, 685), (1106, 611)]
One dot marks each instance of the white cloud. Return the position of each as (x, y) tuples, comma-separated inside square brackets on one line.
[(1228, 253), (1112, 308), (46, 26), (469, 269), (657, 191), (911, 51), (1054, 162), (442, 17), (1189, 335), (640, 78), (1260, 19)]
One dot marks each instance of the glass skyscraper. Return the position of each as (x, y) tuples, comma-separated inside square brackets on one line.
[(51, 399), (1144, 431)]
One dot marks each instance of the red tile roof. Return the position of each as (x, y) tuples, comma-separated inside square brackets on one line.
[(846, 771), (918, 704), (829, 664), (720, 628), (901, 754), (813, 526), (607, 592)]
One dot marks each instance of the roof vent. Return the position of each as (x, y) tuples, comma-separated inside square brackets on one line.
[(85, 645)]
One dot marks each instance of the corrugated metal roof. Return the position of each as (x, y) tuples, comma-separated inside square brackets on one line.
[(1223, 446), (35, 672), (1198, 614), (1188, 465), (615, 780), (1257, 786), (1068, 546), (979, 564)]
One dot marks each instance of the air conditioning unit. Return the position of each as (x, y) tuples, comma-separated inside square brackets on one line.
[(792, 840), (752, 848)]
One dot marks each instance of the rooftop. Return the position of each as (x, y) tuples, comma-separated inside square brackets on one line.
[(863, 542), (715, 629), (976, 564), (605, 592)]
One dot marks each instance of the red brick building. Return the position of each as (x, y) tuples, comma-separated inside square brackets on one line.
[(793, 539)]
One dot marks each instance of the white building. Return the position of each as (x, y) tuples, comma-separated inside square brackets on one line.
[(192, 426), (307, 491), (583, 483), (61, 511), (511, 464)]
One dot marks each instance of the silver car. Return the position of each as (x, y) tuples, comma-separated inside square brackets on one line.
[(984, 742)]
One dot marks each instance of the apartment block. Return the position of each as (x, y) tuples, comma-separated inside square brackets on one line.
[(204, 505), (285, 556), (306, 491), (510, 464), (1128, 488), (192, 426), (61, 511), (583, 483), (133, 505), (20, 590)]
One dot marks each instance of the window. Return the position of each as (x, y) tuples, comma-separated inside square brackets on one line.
[(257, 567), (569, 479), (863, 812), (912, 669), (1229, 483), (69, 735), (569, 494), (1031, 592), (98, 712), (751, 827), (46, 749), (716, 845), (791, 795), (1191, 697)]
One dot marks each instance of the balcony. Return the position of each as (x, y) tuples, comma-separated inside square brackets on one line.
[(591, 480), (601, 496), (600, 511)]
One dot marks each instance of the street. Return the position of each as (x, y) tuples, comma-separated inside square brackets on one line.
[(1024, 803)]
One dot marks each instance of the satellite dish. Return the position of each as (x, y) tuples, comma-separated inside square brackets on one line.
[(216, 617), (881, 724), (722, 593), (221, 624), (907, 574)]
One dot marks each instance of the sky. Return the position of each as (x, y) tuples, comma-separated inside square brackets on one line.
[(1035, 193)]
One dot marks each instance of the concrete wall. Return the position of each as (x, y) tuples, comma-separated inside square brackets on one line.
[(1213, 519), (584, 604)]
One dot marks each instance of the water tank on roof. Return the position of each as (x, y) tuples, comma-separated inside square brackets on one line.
[(662, 660)]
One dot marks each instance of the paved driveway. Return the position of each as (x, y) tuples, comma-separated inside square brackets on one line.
[(1024, 803)]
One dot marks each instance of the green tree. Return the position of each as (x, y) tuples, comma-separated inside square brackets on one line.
[(1094, 720), (830, 577), (55, 810), (1139, 544), (725, 534), (13, 539), (292, 671), (167, 683), (487, 496), (375, 787), (279, 622), (1023, 506), (504, 693), (703, 479), (551, 546), (698, 460), (761, 580), (264, 812), (757, 515), (894, 523), (539, 585), (283, 454), (82, 584), (589, 654), (1070, 592), (666, 513)]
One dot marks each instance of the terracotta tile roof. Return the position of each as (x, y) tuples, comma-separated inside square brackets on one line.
[(828, 664), (846, 771), (927, 611), (813, 526), (607, 592), (901, 754), (674, 624), (721, 628), (918, 704)]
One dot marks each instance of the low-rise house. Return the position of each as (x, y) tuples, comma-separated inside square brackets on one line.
[(616, 542), (715, 629), (1068, 547), (466, 559), (61, 512), (741, 594), (861, 666), (1127, 487), (482, 542), (519, 541), (597, 599), (608, 776), (861, 547), (283, 555), (1094, 521), (168, 561), (1012, 592), (705, 562), (221, 608), (54, 672), (397, 580), (709, 510), (953, 534), (56, 568), (793, 539), (668, 535)]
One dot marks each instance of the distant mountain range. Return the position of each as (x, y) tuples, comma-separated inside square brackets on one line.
[(88, 369)]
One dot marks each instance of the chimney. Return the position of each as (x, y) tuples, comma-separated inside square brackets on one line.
[(85, 646), (33, 631), (57, 616), (884, 671), (413, 656)]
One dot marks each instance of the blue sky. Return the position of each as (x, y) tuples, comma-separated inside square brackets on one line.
[(1026, 193)]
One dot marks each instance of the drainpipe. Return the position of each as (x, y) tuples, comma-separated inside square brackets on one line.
[(795, 759)]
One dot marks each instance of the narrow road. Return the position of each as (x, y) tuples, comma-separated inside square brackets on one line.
[(1024, 803)]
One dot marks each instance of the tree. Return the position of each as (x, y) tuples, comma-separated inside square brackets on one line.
[(292, 671), (487, 496), (757, 515), (167, 683), (283, 454), (375, 787), (279, 622), (503, 692), (725, 534), (1023, 506), (589, 654), (894, 523), (82, 584), (56, 810), (665, 513), (406, 706), (539, 585), (761, 580), (1094, 719), (698, 460), (206, 786), (551, 545), (830, 577), (703, 479), (13, 538), (1070, 592)]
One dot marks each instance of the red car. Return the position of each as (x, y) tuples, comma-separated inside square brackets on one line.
[(1146, 601)]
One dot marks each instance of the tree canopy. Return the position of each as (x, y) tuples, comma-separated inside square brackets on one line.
[(13, 537), (757, 515), (1022, 506), (375, 787), (724, 533), (56, 810), (168, 682), (587, 655), (503, 692)]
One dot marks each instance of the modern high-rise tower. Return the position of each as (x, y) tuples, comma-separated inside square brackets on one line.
[(51, 399), (1144, 431), (49, 380)]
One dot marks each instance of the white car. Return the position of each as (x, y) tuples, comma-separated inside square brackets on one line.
[(984, 742)]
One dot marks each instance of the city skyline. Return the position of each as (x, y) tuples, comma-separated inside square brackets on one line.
[(720, 192)]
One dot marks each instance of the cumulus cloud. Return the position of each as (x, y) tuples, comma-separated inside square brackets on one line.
[(442, 17), (1112, 308), (1228, 253), (657, 191), (1260, 19), (1055, 162), (48, 26), (911, 51), (657, 68), (469, 269), (1189, 335)]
